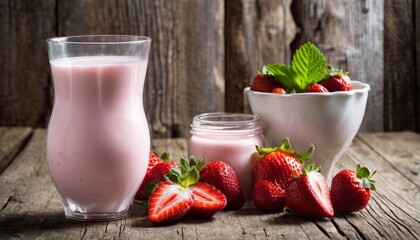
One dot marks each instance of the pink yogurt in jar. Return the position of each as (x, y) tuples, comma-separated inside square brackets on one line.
[(231, 138)]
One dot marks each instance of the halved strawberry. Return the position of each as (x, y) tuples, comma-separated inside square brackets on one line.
[(169, 202), (207, 200), (309, 195)]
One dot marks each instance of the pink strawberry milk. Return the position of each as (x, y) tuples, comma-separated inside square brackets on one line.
[(98, 139), (231, 138)]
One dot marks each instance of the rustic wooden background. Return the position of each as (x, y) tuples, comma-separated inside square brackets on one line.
[(204, 52)]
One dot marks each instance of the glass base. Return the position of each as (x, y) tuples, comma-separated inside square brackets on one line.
[(96, 216)]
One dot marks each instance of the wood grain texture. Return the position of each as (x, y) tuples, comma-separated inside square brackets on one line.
[(417, 60), (350, 33), (393, 210), (24, 85), (186, 63), (30, 207), (399, 66), (256, 33), (12, 139)]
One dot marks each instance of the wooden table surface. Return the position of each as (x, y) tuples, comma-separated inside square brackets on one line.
[(30, 207)]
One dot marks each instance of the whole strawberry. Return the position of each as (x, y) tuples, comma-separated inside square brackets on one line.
[(155, 175), (309, 195), (316, 88), (153, 161), (350, 191), (264, 83), (223, 177), (336, 80), (268, 197), (279, 90), (280, 165)]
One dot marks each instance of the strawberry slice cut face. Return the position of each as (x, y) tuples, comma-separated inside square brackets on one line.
[(169, 202), (207, 200), (321, 193)]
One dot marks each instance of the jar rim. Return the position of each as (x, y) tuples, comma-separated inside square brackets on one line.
[(228, 123)]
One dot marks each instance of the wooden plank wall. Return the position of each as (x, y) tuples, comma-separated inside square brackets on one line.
[(205, 52)]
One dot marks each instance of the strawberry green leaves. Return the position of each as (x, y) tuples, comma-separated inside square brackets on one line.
[(308, 66), (364, 175), (287, 147), (187, 174)]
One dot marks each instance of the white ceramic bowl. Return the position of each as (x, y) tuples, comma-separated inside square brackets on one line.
[(330, 121)]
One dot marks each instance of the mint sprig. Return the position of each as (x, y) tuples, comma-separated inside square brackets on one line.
[(308, 67)]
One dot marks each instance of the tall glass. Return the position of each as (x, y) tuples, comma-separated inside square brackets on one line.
[(98, 139)]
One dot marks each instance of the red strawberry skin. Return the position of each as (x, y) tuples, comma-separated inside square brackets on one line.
[(277, 167), (156, 174), (309, 196), (337, 83), (264, 83), (268, 197), (279, 90), (347, 194), (153, 161), (169, 203), (316, 88), (223, 177), (207, 200)]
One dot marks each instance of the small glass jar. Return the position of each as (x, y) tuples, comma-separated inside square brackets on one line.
[(231, 138)]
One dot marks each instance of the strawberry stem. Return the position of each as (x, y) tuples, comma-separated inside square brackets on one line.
[(187, 174)]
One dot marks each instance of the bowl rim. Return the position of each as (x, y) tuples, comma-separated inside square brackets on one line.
[(361, 88)]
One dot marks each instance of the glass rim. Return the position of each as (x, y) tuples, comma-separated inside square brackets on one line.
[(228, 123), (113, 39)]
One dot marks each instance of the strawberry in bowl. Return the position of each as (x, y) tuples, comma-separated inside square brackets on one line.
[(321, 106)]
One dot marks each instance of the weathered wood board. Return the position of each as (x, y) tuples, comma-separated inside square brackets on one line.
[(205, 52), (30, 207), (24, 70)]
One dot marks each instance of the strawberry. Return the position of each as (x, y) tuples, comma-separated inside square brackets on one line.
[(169, 202), (223, 177), (153, 161), (278, 90), (309, 196), (155, 175), (316, 88), (350, 191), (268, 197), (207, 200), (279, 165), (264, 83), (336, 80), (181, 193)]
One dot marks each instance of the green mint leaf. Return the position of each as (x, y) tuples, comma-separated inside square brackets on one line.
[(308, 65), (284, 74)]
